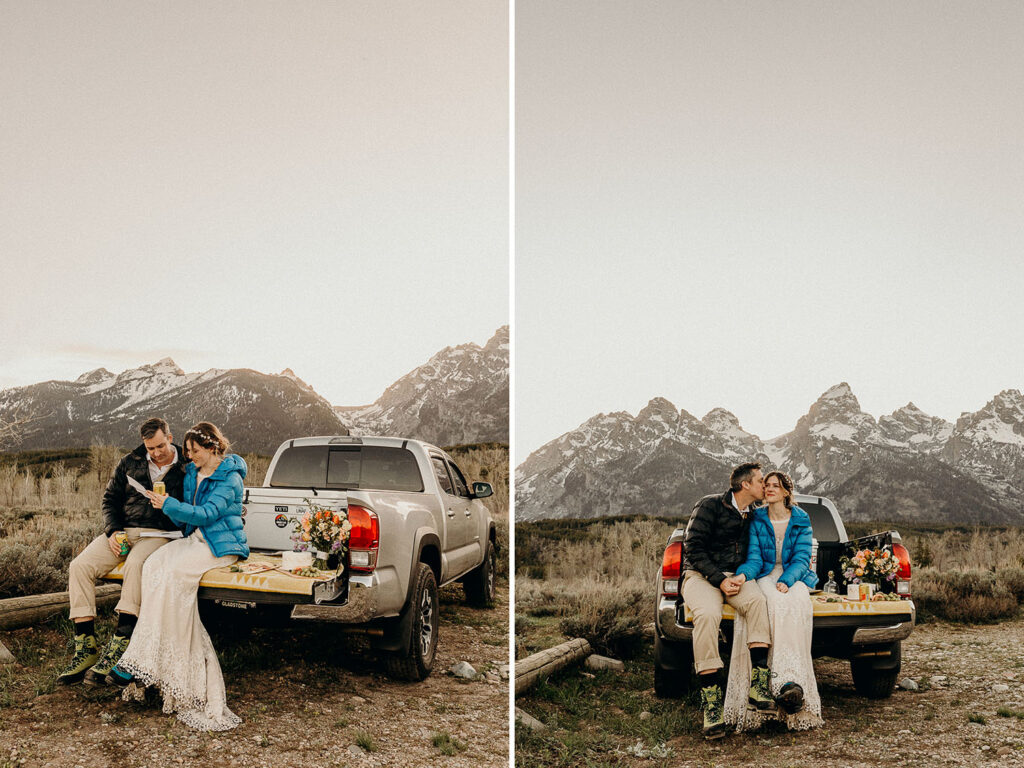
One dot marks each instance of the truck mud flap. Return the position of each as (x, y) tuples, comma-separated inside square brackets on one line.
[(396, 631)]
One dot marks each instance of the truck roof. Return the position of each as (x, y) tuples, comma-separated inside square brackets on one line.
[(390, 442)]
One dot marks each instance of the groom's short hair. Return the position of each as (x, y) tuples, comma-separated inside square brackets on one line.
[(151, 426), (742, 474)]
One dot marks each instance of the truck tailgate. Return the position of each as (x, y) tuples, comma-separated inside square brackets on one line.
[(270, 514), (269, 581), (850, 608)]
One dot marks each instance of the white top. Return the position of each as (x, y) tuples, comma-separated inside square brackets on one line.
[(780, 534), (732, 498), (155, 472)]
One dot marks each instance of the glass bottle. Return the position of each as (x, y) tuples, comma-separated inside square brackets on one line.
[(830, 586)]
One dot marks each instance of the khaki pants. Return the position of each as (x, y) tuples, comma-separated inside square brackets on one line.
[(96, 560), (705, 601)]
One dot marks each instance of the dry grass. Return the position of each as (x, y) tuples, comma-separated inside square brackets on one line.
[(599, 586), (49, 515)]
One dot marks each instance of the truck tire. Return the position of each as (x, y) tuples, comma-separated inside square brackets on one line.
[(479, 583), (673, 668), (874, 680), (415, 661)]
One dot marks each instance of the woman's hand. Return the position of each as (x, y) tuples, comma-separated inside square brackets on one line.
[(157, 499), (781, 587)]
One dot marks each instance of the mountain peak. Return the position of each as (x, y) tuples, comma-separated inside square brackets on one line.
[(94, 377), (720, 416), (164, 365), (288, 373), (840, 391)]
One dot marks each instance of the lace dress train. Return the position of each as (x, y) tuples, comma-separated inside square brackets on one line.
[(170, 648), (790, 616)]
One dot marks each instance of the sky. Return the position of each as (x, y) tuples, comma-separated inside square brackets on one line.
[(306, 185), (741, 205)]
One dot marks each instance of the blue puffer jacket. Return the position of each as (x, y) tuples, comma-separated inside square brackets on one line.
[(796, 549), (216, 508)]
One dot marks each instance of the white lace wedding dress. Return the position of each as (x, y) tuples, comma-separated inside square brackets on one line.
[(170, 648), (790, 617)]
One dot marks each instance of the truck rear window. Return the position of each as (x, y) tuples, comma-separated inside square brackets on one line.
[(347, 467), (823, 525)]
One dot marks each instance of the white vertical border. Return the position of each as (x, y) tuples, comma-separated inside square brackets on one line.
[(511, 381)]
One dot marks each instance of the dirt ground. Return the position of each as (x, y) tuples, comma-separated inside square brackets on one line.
[(961, 714), (302, 703)]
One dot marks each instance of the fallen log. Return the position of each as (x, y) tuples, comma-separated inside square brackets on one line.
[(17, 612), (543, 663)]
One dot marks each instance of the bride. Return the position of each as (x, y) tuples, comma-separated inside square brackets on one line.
[(779, 557), (170, 648)]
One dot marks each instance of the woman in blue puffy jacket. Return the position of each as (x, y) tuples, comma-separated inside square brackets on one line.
[(169, 647), (779, 558)]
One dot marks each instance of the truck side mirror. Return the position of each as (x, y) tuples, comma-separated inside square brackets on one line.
[(482, 490)]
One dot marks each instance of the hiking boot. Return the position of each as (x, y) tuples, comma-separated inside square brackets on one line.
[(120, 677), (790, 698), (712, 700), (760, 696), (97, 674), (85, 656)]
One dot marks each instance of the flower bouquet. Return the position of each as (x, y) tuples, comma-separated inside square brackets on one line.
[(871, 566), (322, 531)]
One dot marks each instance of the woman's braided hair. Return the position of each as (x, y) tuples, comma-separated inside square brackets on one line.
[(207, 435)]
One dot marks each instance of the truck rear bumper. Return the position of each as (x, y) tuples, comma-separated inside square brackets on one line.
[(667, 625), (367, 600)]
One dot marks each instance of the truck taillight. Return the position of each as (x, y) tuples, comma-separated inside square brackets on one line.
[(671, 569), (903, 574), (363, 539)]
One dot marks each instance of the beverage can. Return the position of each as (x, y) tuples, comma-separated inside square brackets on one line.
[(866, 591), (122, 538), (159, 487)]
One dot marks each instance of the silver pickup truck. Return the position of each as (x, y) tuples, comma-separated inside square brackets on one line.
[(417, 524), (869, 634)]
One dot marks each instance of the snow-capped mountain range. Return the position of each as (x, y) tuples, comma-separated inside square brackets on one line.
[(458, 396), (466, 401), (903, 466)]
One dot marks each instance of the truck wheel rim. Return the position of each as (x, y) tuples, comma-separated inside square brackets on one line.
[(426, 624)]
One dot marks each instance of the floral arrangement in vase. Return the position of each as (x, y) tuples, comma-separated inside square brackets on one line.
[(322, 531), (870, 566)]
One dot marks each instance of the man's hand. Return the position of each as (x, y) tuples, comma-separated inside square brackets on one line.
[(781, 587), (729, 586), (115, 545)]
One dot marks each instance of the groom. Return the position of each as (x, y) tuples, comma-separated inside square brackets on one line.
[(715, 546), (125, 511)]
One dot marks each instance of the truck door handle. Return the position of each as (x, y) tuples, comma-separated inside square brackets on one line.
[(451, 513), (468, 513)]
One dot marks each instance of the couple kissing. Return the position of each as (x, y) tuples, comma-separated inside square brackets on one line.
[(758, 560)]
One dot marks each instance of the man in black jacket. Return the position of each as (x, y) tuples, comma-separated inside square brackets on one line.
[(715, 546), (129, 518)]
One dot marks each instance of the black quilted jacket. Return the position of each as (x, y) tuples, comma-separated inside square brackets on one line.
[(124, 507), (716, 538)]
